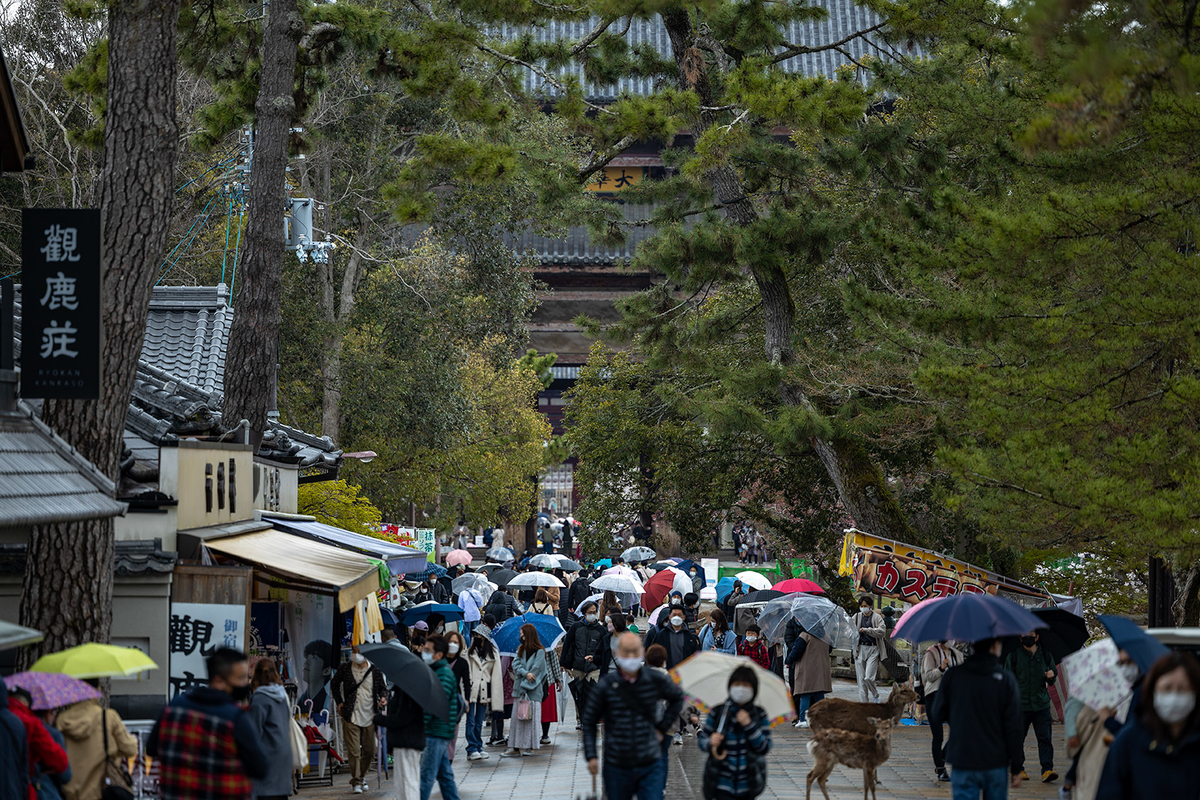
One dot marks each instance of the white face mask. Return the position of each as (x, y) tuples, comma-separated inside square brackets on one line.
[(592, 617), (1129, 671), (629, 665), (427, 656), (741, 694), (676, 621), (1174, 707), (751, 639), (359, 658), (452, 648)]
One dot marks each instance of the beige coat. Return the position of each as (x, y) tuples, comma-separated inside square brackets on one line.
[(813, 672), (872, 626), (80, 726), (487, 682), (553, 593), (1092, 748), (931, 665)]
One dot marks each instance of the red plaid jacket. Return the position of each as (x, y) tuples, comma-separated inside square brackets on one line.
[(756, 651), (198, 757)]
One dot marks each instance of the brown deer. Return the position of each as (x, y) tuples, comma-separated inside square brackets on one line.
[(835, 713), (856, 750)]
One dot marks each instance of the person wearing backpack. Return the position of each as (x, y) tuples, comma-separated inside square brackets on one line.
[(360, 691), (440, 733), (737, 737), (1035, 670)]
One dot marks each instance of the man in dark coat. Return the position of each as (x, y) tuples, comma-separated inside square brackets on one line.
[(404, 723), (1035, 670), (583, 653), (14, 752)]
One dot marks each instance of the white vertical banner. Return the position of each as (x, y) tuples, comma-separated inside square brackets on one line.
[(712, 574), (196, 631)]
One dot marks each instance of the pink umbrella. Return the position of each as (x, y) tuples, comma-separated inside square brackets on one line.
[(458, 558), (798, 585), (52, 689)]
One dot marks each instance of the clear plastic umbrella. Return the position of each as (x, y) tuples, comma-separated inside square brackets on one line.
[(621, 584), (545, 561), (821, 618), (474, 580), (639, 554), (531, 579), (500, 554)]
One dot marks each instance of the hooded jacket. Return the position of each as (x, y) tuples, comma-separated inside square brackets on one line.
[(14, 752), (81, 728), (981, 697), (436, 726), (270, 713), (582, 640)]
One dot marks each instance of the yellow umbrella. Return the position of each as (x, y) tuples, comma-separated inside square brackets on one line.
[(95, 661)]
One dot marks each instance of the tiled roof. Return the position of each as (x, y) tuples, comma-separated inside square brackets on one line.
[(44, 480), (577, 248), (141, 557), (187, 331)]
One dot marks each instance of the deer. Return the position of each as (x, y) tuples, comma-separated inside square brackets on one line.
[(831, 746), (836, 713)]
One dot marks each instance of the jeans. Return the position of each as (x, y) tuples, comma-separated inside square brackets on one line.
[(435, 764), (644, 783), (969, 784), (936, 728), (474, 727), (1040, 720), (807, 700), (466, 629), (866, 669)]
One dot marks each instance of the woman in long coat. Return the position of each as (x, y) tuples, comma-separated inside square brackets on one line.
[(530, 675), (812, 674), (270, 710)]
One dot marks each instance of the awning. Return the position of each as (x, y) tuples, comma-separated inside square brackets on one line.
[(400, 559), (350, 575)]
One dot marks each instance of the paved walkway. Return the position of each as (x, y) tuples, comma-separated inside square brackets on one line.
[(557, 771)]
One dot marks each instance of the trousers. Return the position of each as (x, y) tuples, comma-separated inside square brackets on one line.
[(866, 669), (360, 748), (936, 728), (807, 701), (435, 766), (407, 765), (1040, 720), (644, 783), (971, 784)]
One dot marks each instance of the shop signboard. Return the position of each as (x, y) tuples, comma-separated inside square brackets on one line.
[(427, 541), (196, 631), (911, 574)]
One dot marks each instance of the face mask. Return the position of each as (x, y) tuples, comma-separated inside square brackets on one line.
[(452, 648), (741, 694), (439, 629), (693, 574), (1173, 707), (359, 658), (240, 693), (676, 621), (1129, 671), (593, 617), (676, 602), (751, 639), (427, 656), (629, 665), (1028, 641), (866, 609)]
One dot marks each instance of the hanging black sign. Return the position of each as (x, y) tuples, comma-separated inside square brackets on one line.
[(60, 303)]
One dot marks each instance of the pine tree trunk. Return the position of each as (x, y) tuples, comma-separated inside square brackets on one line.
[(1187, 604), (254, 335), (859, 481), (67, 593), (337, 315)]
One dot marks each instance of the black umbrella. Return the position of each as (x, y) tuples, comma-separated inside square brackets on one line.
[(410, 675), (501, 577), (762, 596), (1066, 634)]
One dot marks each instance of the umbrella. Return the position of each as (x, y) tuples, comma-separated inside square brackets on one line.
[(1096, 680), (822, 618), (604, 562), (451, 613), (754, 580), (545, 561), (94, 660), (476, 581), (507, 636), (663, 583), (762, 596), (567, 565), (1067, 633), (535, 579), (15, 635), (966, 617), (458, 558), (1143, 648), (410, 675), (724, 587), (390, 620), (596, 598), (659, 566), (639, 554), (500, 554), (51, 689), (431, 568), (622, 570), (622, 584), (704, 678), (501, 577), (798, 585)]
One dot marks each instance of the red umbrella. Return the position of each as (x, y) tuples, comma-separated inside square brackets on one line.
[(798, 585), (660, 585)]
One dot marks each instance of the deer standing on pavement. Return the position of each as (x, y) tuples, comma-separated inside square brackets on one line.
[(835, 713), (831, 746)]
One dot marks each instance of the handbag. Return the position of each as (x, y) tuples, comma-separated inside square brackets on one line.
[(118, 785), (299, 746), (524, 710)]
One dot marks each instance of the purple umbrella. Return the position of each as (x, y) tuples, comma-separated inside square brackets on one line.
[(51, 689)]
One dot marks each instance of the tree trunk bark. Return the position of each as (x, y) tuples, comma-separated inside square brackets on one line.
[(67, 593), (254, 335), (338, 319), (1187, 604), (859, 481)]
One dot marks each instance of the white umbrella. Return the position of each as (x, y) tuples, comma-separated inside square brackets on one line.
[(596, 598), (544, 561), (1096, 680), (755, 580), (527, 579), (474, 580), (639, 553), (820, 617), (704, 678), (622, 584)]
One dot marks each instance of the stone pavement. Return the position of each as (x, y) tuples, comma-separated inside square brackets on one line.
[(558, 772)]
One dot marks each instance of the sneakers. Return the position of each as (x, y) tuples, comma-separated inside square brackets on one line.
[(1049, 776), (356, 788), (474, 756), (1024, 775), (942, 776), (801, 723), (511, 752), (503, 740), (678, 739), (545, 740)]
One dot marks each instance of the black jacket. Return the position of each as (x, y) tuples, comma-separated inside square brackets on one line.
[(1142, 766), (791, 633), (981, 701), (582, 640), (688, 643), (404, 722), (345, 687), (580, 590), (501, 605), (630, 724)]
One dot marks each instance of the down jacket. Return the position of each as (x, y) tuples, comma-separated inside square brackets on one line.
[(582, 640), (629, 735)]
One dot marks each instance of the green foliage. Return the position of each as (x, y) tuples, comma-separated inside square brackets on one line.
[(339, 503)]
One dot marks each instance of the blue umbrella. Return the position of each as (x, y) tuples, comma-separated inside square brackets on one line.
[(507, 637), (432, 569), (966, 617), (724, 587), (604, 562), (1143, 648), (450, 613), (687, 564)]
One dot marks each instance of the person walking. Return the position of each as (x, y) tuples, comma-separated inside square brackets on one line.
[(582, 654), (1158, 755), (14, 750), (868, 649), (541, 603), (716, 636), (639, 707), (737, 737), (359, 691), (1035, 670), (934, 663), (46, 755), (83, 726), (982, 703), (530, 673), (487, 693), (205, 743), (753, 647), (812, 673), (440, 733), (49, 785), (471, 603), (271, 713), (404, 723)]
